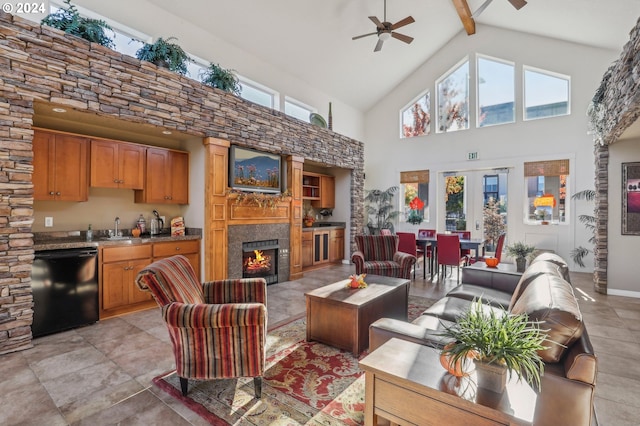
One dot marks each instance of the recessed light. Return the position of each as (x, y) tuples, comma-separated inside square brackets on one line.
[(59, 110), (166, 132)]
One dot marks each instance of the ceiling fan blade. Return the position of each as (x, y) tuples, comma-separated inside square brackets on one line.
[(481, 9), (364, 35), (376, 21), (406, 21), (379, 45), (518, 4), (402, 37)]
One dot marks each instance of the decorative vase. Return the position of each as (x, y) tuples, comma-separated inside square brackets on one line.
[(308, 223), (330, 125), (521, 263), (491, 376)]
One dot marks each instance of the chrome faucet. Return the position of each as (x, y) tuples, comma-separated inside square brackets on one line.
[(117, 221)]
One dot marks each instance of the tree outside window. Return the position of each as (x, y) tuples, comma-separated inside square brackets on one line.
[(416, 118), (453, 99)]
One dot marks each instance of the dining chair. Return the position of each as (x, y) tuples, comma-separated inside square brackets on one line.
[(407, 244), (449, 253), (429, 253), (498, 253), (464, 235)]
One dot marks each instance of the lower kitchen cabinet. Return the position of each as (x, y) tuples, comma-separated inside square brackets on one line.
[(336, 245), (307, 249), (118, 269), (322, 246), (188, 248)]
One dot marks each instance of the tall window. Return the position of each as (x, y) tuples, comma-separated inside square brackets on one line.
[(496, 92), (297, 109), (453, 99), (546, 94), (455, 209), (546, 191), (415, 118), (415, 187)]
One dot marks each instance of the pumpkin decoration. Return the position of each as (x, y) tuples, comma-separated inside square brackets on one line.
[(491, 262), (356, 281), (461, 367)]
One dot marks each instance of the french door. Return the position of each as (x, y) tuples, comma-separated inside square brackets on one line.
[(475, 201)]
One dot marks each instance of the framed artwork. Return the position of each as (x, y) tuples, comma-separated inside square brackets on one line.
[(630, 198)]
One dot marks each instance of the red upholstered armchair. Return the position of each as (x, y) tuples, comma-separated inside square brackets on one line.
[(379, 255), (218, 329)]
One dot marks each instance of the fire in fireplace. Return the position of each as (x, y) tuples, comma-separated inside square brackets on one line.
[(260, 260)]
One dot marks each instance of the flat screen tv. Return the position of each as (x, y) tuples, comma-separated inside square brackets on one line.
[(251, 170)]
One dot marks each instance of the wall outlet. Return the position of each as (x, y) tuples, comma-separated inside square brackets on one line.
[(48, 222)]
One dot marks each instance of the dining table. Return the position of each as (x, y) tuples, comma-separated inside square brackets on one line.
[(424, 242)]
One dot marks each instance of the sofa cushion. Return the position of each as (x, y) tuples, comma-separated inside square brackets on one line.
[(388, 268), (531, 273), (556, 260), (450, 308), (490, 296), (549, 299)]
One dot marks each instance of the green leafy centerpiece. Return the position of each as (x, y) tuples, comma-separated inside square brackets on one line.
[(520, 251)]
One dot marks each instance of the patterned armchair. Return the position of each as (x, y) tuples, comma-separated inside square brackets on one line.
[(218, 329), (379, 255)]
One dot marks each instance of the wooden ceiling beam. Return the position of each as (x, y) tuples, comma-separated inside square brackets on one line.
[(465, 16)]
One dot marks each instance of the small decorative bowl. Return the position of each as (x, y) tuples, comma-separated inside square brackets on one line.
[(491, 262)]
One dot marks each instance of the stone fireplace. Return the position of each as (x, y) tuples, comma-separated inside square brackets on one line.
[(270, 239)]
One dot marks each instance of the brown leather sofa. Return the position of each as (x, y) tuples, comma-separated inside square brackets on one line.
[(545, 293)]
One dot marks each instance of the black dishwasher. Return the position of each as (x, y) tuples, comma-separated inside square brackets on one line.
[(65, 289)]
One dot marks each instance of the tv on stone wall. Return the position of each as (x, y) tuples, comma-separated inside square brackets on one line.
[(251, 170)]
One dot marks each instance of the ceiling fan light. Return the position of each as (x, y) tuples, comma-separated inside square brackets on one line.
[(384, 36)]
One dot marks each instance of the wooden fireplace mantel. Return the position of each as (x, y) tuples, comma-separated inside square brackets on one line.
[(222, 210)]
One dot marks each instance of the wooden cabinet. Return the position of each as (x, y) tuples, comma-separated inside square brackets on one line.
[(336, 245), (307, 248), (320, 189), (188, 248), (117, 164), (60, 171), (327, 193), (166, 178), (118, 269)]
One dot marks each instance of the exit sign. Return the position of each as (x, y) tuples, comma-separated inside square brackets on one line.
[(472, 155)]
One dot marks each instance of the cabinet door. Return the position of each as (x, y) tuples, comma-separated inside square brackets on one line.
[(70, 169), (336, 250), (104, 164), (307, 249), (156, 188), (135, 294), (114, 291), (179, 178), (43, 179), (327, 193), (131, 166), (320, 247)]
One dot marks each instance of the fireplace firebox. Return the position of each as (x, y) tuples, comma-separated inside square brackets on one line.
[(260, 260)]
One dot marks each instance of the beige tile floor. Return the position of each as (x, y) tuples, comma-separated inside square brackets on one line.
[(101, 374)]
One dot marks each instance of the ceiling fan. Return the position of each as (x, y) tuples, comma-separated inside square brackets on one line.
[(385, 30), (467, 18)]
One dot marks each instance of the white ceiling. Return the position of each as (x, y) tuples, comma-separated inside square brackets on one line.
[(311, 39)]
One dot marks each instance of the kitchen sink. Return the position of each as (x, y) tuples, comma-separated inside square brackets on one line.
[(322, 225), (117, 238)]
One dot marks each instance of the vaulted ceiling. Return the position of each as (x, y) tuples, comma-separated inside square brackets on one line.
[(312, 40)]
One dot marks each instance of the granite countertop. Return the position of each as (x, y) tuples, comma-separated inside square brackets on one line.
[(77, 239), (324, 225)]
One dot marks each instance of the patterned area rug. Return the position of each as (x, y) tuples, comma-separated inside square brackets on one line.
[(306, 383)]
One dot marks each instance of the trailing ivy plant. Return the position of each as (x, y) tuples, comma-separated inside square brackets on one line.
[(579, 253), (223, 79), (69, 20), (165, 54)]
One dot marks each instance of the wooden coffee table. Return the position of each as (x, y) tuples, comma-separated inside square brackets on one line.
[(340, 316), (405, 384)]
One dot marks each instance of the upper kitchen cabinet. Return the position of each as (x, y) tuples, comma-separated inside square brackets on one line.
[(117, 164), (320, 189), (60, 171), (166, 177)]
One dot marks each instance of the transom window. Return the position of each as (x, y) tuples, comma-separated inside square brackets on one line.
[(496, 92), (297, 109), (258, 93), (453, 99)]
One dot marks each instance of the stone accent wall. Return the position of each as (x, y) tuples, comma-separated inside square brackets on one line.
[(615, 107), (43, 64)]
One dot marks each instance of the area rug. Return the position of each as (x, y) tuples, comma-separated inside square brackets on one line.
[(305, 383)]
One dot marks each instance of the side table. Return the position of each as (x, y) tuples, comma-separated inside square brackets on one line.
[(405, 384), (503, 277)]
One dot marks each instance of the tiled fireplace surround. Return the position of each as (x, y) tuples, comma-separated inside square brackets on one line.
[(238, 234), (39, 64)]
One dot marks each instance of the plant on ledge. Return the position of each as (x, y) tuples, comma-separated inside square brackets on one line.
[(508, 340), (259, 199), (416, 205), (69, 20), (520, 251), (223, 79), (165, 54)]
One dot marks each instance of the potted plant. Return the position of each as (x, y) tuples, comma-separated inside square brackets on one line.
[(579, 253), (380, 209), (69, 20), (520, 251), (165, 54), (505, 344), (223, 79)]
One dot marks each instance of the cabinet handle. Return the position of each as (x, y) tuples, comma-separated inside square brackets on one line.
[(51, 193), (115, 181), (177, 248), (58, 193)]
